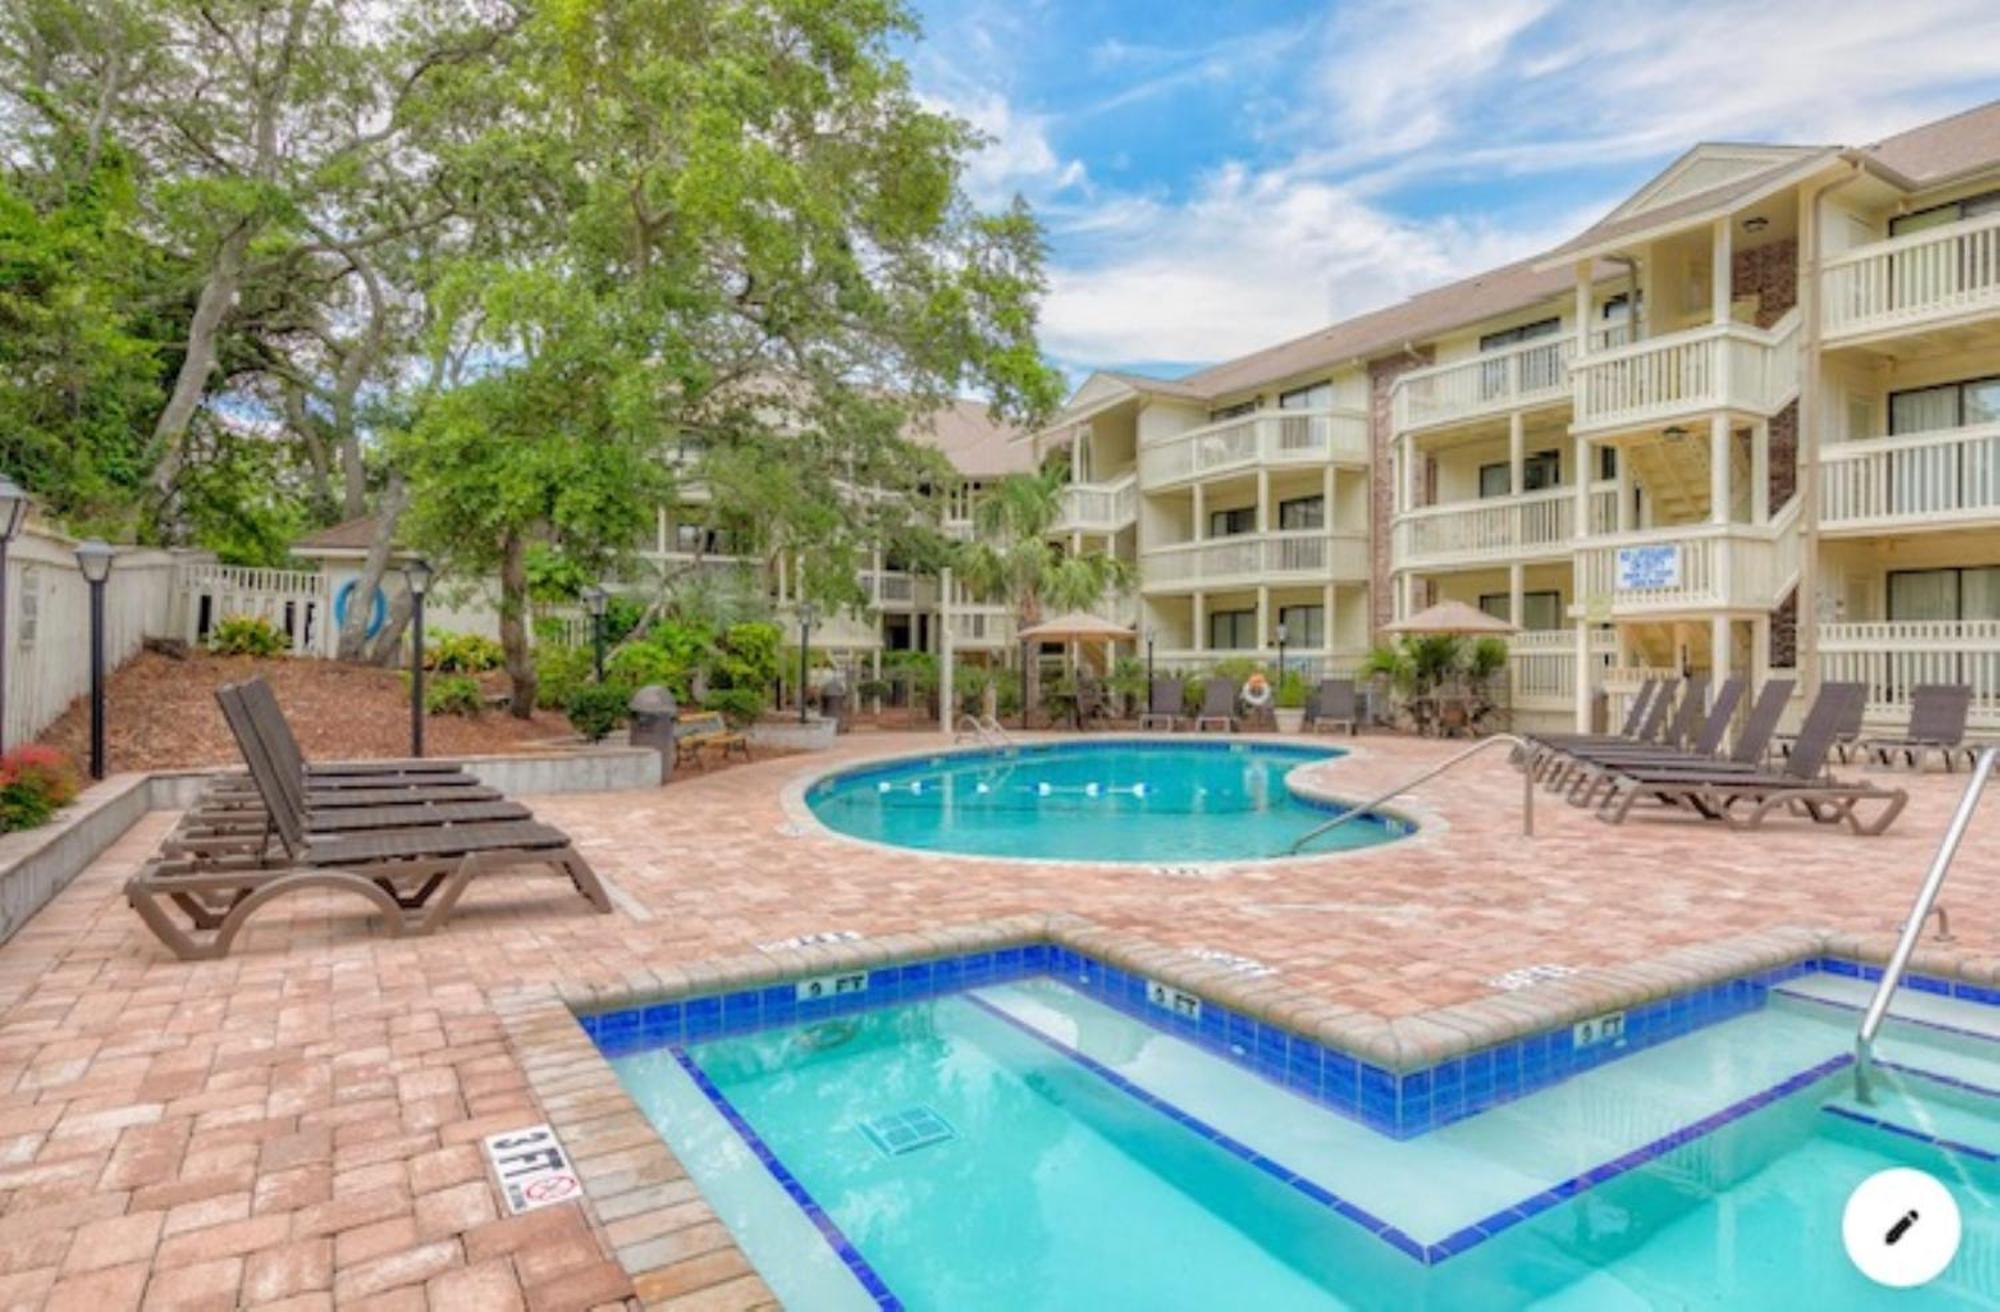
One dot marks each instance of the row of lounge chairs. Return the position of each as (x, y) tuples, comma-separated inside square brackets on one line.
[(1670, 751), (1334, 705), (408, 836)]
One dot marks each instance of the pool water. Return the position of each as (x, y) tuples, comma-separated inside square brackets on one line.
[(1119, 800), (1023, 1146)]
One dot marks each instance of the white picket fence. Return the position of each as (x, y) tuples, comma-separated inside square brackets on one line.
[(294, 602)]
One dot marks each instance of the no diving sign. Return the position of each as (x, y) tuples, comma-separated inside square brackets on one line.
[(532, 1168)]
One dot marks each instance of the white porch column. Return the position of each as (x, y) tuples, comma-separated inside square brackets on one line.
[(1721, 650), (1200, 513), (1517, 453), (1201, 623), (1760, 652), (1760, 472), (1583, 320), (947, 697), (1718, 469), (1263, 615), (1721, 291), (1326, 497), (1329, 618), (1584, 452), (1584, 688), (1263, 499), (1516, 576), (1622, 489)]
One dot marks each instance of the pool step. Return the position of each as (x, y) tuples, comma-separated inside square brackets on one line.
[(1843, 992)]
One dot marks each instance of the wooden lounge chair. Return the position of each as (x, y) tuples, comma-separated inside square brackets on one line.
[(1165, 705), (1590, 769), (1336, 707), (1744, 799), (1551, 751), (697, 733), (262, 705), (1938, 713), (1218, 704), (1746, 756), (197, 903), (1577, 758), (1846, 733)]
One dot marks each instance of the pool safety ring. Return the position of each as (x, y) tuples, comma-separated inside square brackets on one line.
[(378, 608), (1257, 693)]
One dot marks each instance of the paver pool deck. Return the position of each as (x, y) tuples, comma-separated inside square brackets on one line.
[(299, 1125)]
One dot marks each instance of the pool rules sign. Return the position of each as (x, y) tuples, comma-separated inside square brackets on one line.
[(532, 1168)]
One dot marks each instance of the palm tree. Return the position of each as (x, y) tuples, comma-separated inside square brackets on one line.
[(1011, 561)]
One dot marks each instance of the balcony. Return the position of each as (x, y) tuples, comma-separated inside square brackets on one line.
[(1688, 569), (1684, 375), (1269, 437), (1099, 507), (1930, 279), (892, 589), (1497, 529), (982, 628), (1894, 657), (1494, 383), (1945, 479), (1541, 667), (1249, 559)]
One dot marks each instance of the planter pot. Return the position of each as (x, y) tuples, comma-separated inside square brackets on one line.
[(1291, 719)]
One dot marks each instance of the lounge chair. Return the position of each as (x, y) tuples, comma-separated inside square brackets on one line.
[(1801, 787), (1575, 759), (1592, 768), (1846, 733), (1938, 713), (1218, 704), (1336, 707), (1166, 705), (197, 903), (1552, 750)]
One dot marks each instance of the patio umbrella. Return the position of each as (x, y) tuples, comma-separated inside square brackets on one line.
[(1452, 617), (1077, 626)]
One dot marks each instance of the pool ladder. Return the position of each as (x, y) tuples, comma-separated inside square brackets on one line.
[(1913, 927), (986, 730), (1519, 744)]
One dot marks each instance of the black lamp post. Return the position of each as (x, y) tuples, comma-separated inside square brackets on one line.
[(1151, 634), (1279, 634), (417, 576), (94, 559), (13, 514), (597, 599), (807, 614)]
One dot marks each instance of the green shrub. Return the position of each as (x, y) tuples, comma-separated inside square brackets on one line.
[(1239, 668), (969, 683), (637, 664), (1193, 693), (1128, 680), (246, 635), (461, 653), (1008, 701), (1291, 694), (740, 706), (559, 672), (596, 709), (34, 782), (454, 694)]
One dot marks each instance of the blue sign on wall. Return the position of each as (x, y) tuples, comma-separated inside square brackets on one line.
[(1650, 568)]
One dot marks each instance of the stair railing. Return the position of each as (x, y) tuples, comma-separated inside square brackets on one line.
[(1527, 790)]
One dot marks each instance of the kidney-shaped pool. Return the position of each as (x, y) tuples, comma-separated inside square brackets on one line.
[(1138, 800)]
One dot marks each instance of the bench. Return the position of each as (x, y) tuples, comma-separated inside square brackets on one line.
[(696, 732)]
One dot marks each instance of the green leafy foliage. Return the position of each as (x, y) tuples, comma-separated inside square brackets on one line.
[(454, 694), (740, 706), (246, 635), (1292, 691), (35, 782), (461, 653), (559, 672), (594, 710)]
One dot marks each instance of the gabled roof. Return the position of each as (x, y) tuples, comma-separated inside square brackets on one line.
[(1675, 206), (977, 444), (1936, 152), (1703, 169), (348, 535)]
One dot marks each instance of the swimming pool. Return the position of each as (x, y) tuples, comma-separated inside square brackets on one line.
[(1126, 800), (1023, 1144)]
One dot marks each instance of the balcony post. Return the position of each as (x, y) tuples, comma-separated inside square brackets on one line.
[(1583, 299), (1760, 472), (1263, 498), (1621, 512), (1721, 281), (1517, 453), (1721, 656), (1584, 691), (1516, 573), (1718, 469), (1583, 453), (946, 693), (1760, 650), (1263, 614), (1201, 623), (1200, 513), (1326, 498)]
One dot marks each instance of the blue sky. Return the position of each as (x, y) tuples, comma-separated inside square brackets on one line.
[(1216, 177)]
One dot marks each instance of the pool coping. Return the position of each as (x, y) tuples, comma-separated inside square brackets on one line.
[(1303, 780), (679, 1255)]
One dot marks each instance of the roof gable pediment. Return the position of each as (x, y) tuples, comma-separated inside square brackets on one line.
[(1707, 167)]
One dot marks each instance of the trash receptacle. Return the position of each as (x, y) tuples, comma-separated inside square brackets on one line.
[(833, 703), (655, 714)]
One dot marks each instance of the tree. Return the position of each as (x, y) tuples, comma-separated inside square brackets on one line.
[(1012, 560)]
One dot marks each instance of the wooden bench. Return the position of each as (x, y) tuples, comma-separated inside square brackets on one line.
[(696, 732)]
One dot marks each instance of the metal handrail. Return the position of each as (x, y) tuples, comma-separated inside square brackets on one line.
[(987, 730), (1527, 791), (1920, 912)]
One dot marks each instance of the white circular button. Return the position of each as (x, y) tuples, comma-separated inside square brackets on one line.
[(1901, 1227)]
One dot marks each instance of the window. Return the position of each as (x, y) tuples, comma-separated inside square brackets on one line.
[(1618, 317), (1948, 405), (701, 540), (1302, 512), (1540, 611), (1319, 396), (1945, 594), (1229, 523), (1305, 626), (1927, 482), (1232, 630), (1232, 411), (1936, 216), (1607, 462), (1539, 472), (1527, 332)]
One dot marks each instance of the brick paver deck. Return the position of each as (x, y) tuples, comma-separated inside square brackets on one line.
[(298, 1125)]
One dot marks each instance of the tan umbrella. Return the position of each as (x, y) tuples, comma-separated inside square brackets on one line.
[(1077, 626), (1452, 617)]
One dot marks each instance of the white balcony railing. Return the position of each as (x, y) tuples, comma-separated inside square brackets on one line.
[(1696, 567), (1252, 558), (1495, 529), (1939, 479), (982, 627), (1542, 666), (1894, 657), (1721, 367), (1269, 437), (1099, 507), (1923, 280), (1492, 383), (893, 589)]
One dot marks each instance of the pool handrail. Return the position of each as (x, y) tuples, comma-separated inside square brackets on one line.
[(987, 730), (1913, 926), (1365, 808)]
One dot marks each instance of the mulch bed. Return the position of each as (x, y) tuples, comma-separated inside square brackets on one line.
[(160, 713)]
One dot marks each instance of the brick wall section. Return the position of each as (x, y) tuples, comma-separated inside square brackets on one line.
[(1382, 375), (1785, 633), (1771, 273), (1784, 477)]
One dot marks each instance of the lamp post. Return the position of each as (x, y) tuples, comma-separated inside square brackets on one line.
[(94, 559), (597, 599), (417, 575), (1279, 634), (807, 614), (13, 514), (1151, 634)]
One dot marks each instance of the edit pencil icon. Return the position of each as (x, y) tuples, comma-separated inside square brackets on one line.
[(1902, 1226)]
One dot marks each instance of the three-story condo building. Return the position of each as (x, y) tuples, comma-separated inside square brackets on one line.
[(1750, 420)]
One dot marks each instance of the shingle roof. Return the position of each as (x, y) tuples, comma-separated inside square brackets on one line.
[(1701, 202), (1933, 152), (977, 444), (349, 535)]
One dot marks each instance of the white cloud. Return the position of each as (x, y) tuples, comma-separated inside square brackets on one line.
[(1017, 158)]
